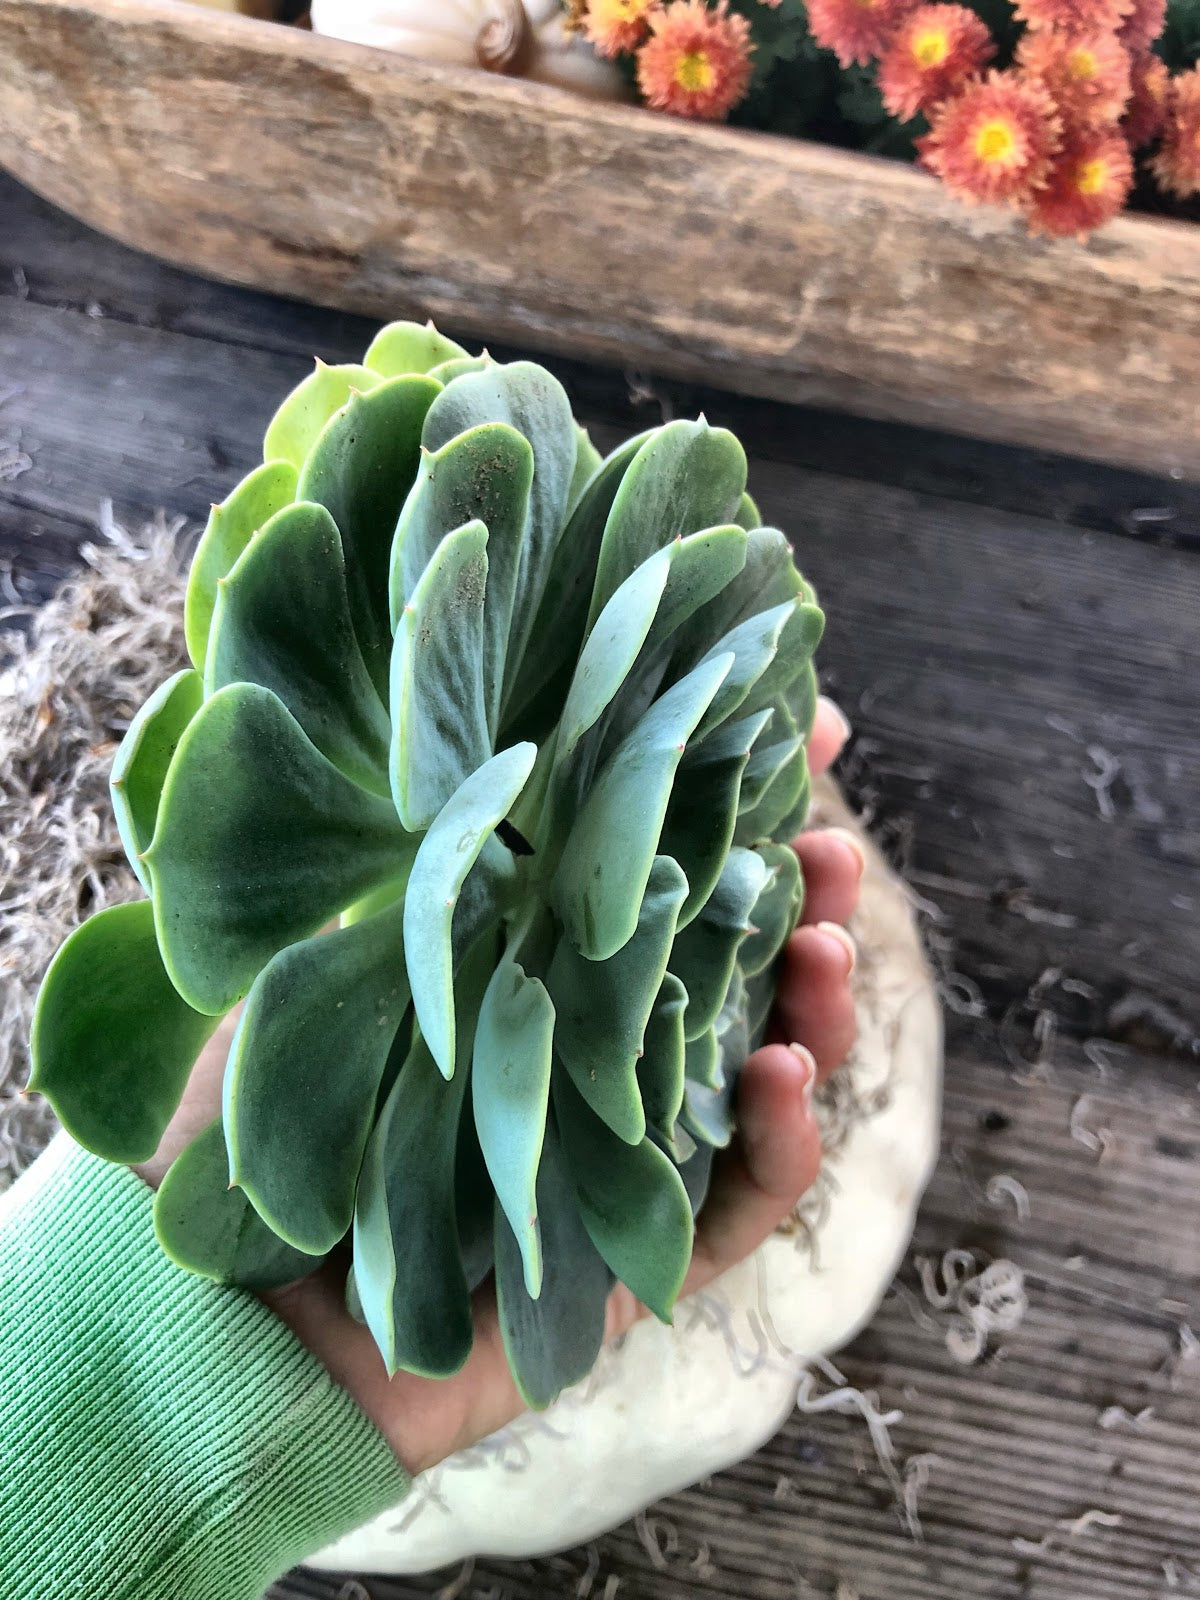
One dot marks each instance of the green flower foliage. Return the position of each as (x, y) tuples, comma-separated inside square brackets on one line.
[(530, 728)]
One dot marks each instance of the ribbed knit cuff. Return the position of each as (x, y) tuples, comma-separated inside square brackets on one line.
[(160, 1438)]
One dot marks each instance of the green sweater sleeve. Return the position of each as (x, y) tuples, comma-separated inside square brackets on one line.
[(160, 1438)]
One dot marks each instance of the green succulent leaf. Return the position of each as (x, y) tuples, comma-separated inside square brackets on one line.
[(686, 476), (773, 749), (527, 398), (260, 841), (552, 1341), (603, 1007), (588, 461), (510, 1089), (361, 469), (461, 367), (660, 1071), (304, 1074), (702, 1059), (598, 889), (558, 633), (298, 423), (748, 515), (632, 1200), (404, 347), (408, 1258), (446, 855), (754, 645), (702, 813), (483, 476), (113, 1044), (283, 621), (701, 565), (139, 767), (612, 647), (776, 911), (768, 578), (706, 950), (777, 802), (439, 714), (211, 1229), (231, 526), (707, 1113)]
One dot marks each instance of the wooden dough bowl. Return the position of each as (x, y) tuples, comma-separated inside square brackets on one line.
[(271, 157)]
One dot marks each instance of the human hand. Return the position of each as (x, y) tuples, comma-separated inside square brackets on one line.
[(756, 1182)]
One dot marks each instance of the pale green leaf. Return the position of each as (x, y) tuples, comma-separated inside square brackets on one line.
[(599, 887), (510, 1088), (140, 765), (446, 855), (296, 426), (686, 476), (706, 950), (551, 1342), (304, 1072), (261, 840), (113, 1044), (439, 717), (404, 347), (283, 621), (702, 813), (231, 526), (213, 1230), (632, 1200), (603, 1007), (361, 470)]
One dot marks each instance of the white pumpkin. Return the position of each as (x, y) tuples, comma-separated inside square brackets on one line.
[(668, 1406), (522, 39)]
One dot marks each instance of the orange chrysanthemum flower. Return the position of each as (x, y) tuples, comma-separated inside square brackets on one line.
[(931, 55), (696, 61), (1143, 24), (1147, 108), (1177, 164), (1075, 16), (856, 30), (614, 27), (1088, 185), (1087, 74), (994, 141)]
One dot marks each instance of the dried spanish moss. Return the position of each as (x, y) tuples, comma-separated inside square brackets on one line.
[(70, 683)]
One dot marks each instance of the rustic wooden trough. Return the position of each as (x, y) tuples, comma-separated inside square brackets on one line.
[(270, 157)]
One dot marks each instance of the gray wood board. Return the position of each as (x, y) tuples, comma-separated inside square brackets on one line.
[(1015, 638)]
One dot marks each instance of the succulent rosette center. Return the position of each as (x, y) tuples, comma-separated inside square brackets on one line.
[(528, 729)]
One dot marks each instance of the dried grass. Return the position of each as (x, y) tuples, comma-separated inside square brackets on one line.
[(73, 676)]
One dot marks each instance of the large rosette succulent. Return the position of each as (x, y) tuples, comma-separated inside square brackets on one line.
[(478, 794)]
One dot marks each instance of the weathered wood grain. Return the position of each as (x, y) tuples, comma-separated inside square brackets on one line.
[(982, 651), (276, 158)]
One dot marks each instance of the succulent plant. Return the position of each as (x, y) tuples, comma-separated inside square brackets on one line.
[(529, 726)]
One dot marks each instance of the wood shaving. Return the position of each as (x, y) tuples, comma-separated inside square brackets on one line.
[(1003, 1187)]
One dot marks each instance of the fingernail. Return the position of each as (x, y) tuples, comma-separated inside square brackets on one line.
[(834, 930), (853, 842), (809, 1062), (838, 715)]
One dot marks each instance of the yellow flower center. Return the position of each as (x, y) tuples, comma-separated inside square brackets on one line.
[(930, 47), (995, 141), (1092, 176), (694, 71), (1082, 63)]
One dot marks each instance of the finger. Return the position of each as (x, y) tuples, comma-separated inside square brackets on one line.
[(832, 861), (829, 734), (773, 1160), (813, 1002)]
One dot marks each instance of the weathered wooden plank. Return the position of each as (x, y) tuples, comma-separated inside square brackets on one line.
[(274, 157), (52, 259)]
